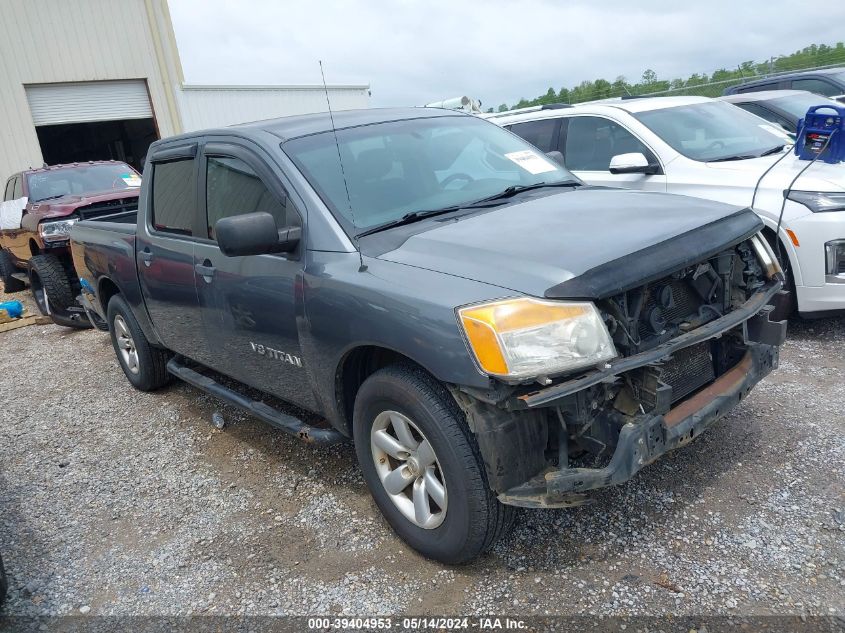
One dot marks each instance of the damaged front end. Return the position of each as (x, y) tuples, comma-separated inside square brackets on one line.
[(691, 344)]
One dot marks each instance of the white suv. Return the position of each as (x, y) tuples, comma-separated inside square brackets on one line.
[(709, 149)]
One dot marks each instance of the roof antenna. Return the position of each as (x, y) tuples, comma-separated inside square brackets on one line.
[(362, 267)]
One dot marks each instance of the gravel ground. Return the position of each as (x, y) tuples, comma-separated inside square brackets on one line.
[(116, 502)]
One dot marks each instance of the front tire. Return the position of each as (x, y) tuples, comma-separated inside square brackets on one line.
[(423, 466), (10, 284), (145, 366)]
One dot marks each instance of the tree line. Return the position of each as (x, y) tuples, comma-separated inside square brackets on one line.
[(702, 84)]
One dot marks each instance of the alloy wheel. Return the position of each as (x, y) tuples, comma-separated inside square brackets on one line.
[(126, 345), (408, 469)]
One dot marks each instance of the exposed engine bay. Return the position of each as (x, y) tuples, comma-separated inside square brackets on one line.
[(647, 316), (691, 345)]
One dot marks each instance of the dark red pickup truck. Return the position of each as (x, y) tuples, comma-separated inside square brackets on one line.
[(36, 252)]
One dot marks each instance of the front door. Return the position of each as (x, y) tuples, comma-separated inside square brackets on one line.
[(250, 305), (588, 143), (165, 251)]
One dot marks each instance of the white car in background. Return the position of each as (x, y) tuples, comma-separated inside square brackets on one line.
[(710, 149)]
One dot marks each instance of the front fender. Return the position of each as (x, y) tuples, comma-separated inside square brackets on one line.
[(408, 310)]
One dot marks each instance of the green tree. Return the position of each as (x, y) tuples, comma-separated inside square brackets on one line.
[(811, 56)]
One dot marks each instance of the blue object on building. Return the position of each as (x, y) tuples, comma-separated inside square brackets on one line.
[(821, 134), (13, 308)]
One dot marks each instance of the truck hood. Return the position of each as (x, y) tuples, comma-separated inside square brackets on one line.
[(66, 205), (820, 177), (533, 246)]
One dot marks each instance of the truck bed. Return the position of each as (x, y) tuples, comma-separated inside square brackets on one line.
[(104, 248)]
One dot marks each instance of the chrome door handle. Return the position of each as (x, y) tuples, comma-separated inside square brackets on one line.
[(205, 270)]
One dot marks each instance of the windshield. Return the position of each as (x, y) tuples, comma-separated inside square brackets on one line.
[(401, 167), (712, 131), (81, 179), (797, 105)]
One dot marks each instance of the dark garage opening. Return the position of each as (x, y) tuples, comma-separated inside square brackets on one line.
[(101, 140)]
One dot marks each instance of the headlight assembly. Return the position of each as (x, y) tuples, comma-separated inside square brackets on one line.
[(526, 338), (56, 231), (819, 201)]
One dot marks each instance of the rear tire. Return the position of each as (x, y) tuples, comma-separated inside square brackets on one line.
[(10, 284), (145, 366), (51, 288), (473, 519)]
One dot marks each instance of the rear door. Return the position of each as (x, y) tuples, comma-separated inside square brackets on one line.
[(250, 305), (589, 142), (166, 234)]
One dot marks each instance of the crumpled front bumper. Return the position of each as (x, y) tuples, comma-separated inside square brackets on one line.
[(648, 436)]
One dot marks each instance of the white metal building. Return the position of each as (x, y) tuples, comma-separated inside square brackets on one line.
[(99, 79)]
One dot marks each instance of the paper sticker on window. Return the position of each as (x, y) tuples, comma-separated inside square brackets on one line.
[(531, 162), (131, 180)]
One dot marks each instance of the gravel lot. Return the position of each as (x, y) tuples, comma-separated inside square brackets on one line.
[(117, 502)]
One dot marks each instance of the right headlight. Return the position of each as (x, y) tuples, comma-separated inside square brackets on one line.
[(819, 201), (526, 337)]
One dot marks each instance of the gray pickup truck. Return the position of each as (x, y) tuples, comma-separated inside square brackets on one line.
[(488, 330)]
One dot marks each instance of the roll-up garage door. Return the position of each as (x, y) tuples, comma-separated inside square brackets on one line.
[(84, 102)]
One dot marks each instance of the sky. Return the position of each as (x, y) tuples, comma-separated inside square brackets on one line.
[(414, 52)]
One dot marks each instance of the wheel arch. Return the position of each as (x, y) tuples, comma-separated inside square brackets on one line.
[(786, 247), (355, 366), (106, 289)]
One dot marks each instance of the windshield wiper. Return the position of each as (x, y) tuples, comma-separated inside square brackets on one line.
[(511, 191), (768, 152), (415, 216), (408, 218), (60, 195), (736, 157)]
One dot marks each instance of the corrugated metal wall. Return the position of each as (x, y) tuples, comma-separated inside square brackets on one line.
[(49, 41), (45, 41), (214, 106)]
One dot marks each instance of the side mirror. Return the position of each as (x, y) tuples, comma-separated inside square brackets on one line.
[(556, 156), (254, 234), (633, 163)]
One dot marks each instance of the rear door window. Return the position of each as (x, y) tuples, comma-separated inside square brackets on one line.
[(542, 134), (174, 196), (18, 191), (10, 189)]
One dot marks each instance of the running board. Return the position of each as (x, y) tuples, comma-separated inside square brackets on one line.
[(283, 421)]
